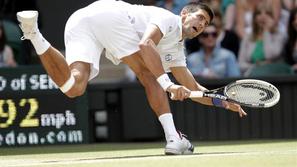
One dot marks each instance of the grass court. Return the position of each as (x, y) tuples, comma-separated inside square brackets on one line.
[(248, 153)]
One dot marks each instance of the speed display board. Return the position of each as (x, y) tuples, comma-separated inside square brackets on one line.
[(33, 111)]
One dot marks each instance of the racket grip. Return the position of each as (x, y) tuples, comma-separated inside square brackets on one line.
[(196, 94), (171, 95), (193, 94)]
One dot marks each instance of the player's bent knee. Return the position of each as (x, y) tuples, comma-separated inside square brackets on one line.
[(71, 88), (68, 84), (75, 92)]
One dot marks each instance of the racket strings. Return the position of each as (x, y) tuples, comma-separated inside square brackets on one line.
[(266, 93), (251, 93)]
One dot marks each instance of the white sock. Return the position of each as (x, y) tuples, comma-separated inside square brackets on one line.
[(168, 125), (40, 43)]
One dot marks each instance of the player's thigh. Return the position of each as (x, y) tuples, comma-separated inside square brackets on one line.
[(137, 65), (117, 34)]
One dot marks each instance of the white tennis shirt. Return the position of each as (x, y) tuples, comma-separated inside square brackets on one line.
[(118, 27)]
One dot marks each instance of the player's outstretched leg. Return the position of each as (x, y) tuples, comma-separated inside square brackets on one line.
[(177, 144), (73, 82)]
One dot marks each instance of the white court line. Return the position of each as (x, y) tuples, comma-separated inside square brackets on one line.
[(25, 163)]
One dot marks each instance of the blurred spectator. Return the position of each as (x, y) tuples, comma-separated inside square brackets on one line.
[(228, 12), (289, 4), (284, 15), (245, 10), (264, 44), (174, 6), (6, 53), (212, 61), (227, 9), (227, 39), (8, 10), (290, 48)]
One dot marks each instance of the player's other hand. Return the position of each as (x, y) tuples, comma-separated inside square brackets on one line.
[(234, 107), (178, 92)]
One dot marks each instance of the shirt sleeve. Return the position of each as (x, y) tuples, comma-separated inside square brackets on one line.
[(166, 23)]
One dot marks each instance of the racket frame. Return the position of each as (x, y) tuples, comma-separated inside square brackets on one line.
[(223, 96)]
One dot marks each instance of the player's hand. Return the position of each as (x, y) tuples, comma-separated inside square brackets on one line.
[(234, 107), (178, 92)]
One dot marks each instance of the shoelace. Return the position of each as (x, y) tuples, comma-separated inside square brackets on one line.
[(23, 37), (181, 135)]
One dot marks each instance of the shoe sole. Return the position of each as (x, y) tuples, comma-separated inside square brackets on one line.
[(172, 152), (175, 152), (26, 15)]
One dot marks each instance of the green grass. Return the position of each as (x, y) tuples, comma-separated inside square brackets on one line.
[(263, 153)]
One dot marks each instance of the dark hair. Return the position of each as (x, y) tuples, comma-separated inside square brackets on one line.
[(292, 37), (195, 6), (2, 38)]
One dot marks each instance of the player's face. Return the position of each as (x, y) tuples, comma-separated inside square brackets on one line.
[(194, 23)]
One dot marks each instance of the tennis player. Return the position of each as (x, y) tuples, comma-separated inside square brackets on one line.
[(148, 39)]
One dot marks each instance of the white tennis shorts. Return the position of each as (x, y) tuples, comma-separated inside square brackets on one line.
[(100, 25)]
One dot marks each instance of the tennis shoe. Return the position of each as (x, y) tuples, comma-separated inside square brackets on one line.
[(28, 23), (179, 145)]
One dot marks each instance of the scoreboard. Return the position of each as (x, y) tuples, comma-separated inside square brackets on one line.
[(33, 111)]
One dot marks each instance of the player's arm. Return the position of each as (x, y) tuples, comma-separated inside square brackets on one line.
[(152, 60), (185, 78)]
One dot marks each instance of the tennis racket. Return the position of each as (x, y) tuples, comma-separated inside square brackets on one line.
[(247, 92)]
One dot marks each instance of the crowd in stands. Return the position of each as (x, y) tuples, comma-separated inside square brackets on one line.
[(6, 53), (246, 38), (13, 51)]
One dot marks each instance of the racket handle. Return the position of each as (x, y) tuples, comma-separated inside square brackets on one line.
[(193, 94), (171, 95), (196, 94)]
